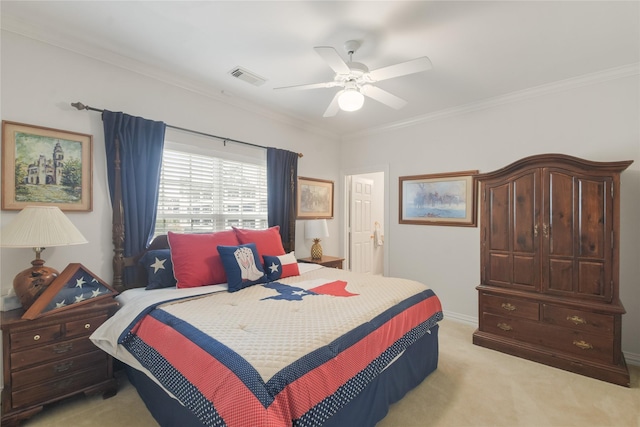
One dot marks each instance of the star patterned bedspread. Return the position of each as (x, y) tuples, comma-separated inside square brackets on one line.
[(291, 352)]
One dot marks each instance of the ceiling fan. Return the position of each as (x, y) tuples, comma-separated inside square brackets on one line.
[(357, 81)]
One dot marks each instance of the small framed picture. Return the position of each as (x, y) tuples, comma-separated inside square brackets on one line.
[(439, 199), (45, 167), (314, 199), (75, 286)]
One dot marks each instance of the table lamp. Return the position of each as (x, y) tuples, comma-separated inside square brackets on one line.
[(315, 229), (38, 227)]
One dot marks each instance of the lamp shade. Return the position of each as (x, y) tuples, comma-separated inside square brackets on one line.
[(350, 100), (40, 227), (316, 228)]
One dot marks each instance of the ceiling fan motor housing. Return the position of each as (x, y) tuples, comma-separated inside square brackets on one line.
[(351, 46)]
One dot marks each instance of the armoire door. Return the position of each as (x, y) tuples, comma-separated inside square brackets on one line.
[(577, 235), (511, 233)]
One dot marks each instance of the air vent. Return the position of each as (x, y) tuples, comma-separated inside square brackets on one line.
[(247, 76)]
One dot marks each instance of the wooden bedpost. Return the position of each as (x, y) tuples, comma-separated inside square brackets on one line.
[(292, 214), (118, 224)]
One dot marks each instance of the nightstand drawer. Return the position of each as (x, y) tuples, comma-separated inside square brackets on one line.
[(35, 336), (508, 306), (578, 319), (60, 387), (84, 327), (57, 369), (39, 355)]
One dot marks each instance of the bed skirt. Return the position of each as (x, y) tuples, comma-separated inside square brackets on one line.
[(415, 364)]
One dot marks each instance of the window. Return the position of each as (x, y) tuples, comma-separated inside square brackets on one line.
[(200, 193)]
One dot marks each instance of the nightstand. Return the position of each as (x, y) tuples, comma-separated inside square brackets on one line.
[(325, 261), (51, 358)]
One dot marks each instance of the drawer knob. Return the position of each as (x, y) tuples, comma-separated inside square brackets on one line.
[(583, 345), (576, 319), (507, 306), (87, 325), (36, 337), (504, 326)]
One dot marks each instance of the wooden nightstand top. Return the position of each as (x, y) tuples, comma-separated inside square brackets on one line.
[(325, 261), (13, 317)]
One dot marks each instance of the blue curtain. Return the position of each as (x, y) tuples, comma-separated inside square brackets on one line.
[(282, 177), (141, 143)]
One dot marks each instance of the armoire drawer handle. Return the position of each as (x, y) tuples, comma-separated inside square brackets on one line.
[(507, 306), (36, 337), (583, 345), (576, 319), (504, 326), (87, 325)]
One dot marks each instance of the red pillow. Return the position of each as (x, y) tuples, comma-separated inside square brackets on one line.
[(195, 257), (268, 242)]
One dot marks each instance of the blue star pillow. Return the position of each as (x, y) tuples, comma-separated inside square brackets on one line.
[(279, 267), (242, 266), (159, 268)]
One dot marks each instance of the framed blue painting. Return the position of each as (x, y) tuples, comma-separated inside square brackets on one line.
[(439, 199)]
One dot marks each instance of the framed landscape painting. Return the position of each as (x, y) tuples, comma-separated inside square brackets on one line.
[(45, 167), (314, 199), (439, 199)]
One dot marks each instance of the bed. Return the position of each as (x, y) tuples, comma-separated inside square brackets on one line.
[(278, 343)]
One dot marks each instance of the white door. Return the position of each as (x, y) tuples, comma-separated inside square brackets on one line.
[(360, 224)]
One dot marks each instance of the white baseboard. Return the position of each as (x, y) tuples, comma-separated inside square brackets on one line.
[(631, 358), (462, 318)]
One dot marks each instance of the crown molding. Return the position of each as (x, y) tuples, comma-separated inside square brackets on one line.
[(533, 92), (77, 46), (13, 25)]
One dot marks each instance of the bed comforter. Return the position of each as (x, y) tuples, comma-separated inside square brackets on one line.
[(292, 352)]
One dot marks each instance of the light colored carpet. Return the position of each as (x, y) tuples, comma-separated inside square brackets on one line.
[(472, 386)]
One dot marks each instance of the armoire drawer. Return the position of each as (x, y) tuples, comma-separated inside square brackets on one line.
[(582, 344), (578, 320), (512, 307)]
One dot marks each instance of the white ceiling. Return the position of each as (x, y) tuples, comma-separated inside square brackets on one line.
[(480, 50)]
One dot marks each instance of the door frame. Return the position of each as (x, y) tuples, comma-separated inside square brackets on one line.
[(384, 169)]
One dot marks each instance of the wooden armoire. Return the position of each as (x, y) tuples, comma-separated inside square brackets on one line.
[(549, 264)]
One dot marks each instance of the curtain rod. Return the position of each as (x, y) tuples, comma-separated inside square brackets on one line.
[(81, 106)]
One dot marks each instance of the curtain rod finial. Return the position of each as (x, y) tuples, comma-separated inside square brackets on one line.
[(79, 105)]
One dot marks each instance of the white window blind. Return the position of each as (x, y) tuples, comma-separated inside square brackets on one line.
[(200, 193)]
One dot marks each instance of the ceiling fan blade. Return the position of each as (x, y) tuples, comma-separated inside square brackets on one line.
[(333, 59), (383, 96), (310, 86), (333, 107), (402, 69)]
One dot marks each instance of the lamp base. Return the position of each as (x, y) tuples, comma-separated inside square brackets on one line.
[(316, 249), (32, 282)]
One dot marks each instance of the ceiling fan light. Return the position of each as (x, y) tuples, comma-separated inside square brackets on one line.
[(350, 100)]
